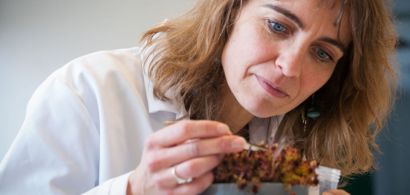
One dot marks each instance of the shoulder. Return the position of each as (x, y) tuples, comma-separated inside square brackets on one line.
[(99, 79), (103, 63), (103, 70)]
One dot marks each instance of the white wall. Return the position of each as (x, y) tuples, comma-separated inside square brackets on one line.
[(37, 37)]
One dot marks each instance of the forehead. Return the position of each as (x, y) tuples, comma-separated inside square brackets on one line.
[(311, 5), (333, 13), (329, 4)]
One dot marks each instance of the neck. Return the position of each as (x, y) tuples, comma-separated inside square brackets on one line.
[(233, 114)]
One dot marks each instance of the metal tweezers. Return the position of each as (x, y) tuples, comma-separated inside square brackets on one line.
[(253, 147)]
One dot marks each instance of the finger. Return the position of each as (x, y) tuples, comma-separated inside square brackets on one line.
[(197, 167), (166, 157), (197, 186), (188, 129), (335, 192), (194, 168)]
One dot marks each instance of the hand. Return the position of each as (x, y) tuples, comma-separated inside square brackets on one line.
[(191, 148), (335, 192)]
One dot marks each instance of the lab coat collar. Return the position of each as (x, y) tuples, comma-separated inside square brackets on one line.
[(157, 105)]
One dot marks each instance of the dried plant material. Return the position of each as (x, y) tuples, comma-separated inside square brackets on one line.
[(250, 167)]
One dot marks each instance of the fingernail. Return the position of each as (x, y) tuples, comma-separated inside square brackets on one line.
[(224, 129), (238, 143)]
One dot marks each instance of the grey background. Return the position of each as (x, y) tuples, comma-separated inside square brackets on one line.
[(393, 173), (37, 37)]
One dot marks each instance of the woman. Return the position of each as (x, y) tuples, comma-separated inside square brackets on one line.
[(312, 73)]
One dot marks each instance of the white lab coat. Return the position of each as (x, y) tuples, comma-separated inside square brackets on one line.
[(85, 127)]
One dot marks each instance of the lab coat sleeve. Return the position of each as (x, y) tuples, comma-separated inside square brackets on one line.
[(114, 186), (57, 148)]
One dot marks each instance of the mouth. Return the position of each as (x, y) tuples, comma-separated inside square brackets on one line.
[(271, 88)]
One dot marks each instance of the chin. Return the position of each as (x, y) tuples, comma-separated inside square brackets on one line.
[(263, 111)]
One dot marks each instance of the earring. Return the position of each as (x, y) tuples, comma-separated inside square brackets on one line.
[(304, 121), (312, 112), (309, 113)]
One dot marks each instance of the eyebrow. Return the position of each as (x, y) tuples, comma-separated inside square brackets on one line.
[(334, 42), (287, 13), (299, 22)]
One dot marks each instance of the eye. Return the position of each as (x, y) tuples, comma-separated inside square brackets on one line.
[(277, 27), (322, 55)]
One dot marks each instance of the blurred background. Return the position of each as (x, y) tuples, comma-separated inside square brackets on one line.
[(37, 37)]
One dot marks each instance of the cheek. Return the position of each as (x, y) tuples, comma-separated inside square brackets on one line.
[(247, 45), (313, 81)]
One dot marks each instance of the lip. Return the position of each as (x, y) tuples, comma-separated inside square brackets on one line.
[(270, 88)]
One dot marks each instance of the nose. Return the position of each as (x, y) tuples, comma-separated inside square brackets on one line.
[(290, 61)]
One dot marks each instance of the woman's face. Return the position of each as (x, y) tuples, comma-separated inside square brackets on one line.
[(281, 51)]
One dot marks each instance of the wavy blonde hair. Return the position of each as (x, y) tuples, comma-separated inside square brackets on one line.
[(354, 103)]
